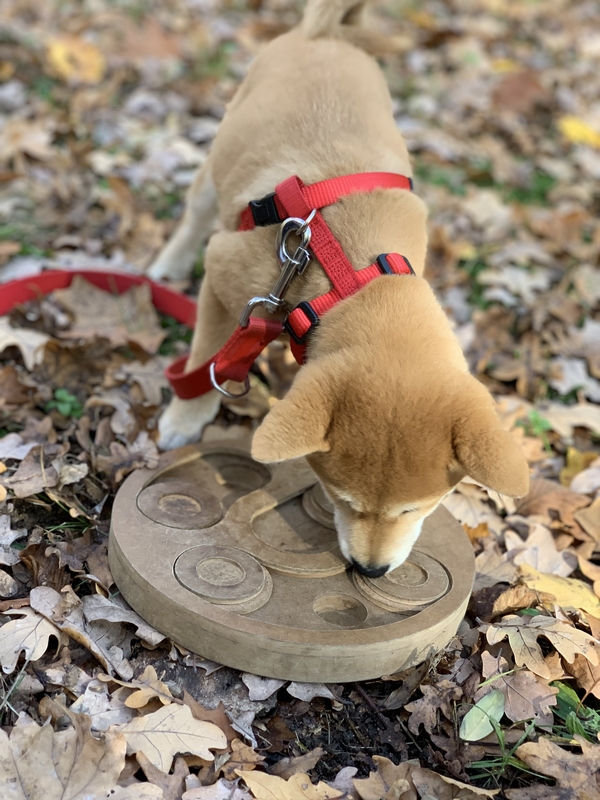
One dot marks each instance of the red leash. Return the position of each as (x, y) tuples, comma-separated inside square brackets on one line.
[(297, 207)]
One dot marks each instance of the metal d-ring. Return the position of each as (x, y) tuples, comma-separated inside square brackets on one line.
[(219, 388)]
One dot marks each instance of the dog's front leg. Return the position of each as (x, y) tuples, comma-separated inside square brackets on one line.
[(179, 256), (184, 420)]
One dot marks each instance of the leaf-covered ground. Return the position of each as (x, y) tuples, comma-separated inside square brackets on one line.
[(106, 109)]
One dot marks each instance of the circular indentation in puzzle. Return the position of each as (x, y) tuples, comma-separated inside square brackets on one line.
[(179, 505), (419, 581), (318, 506), (220, 571), (239, 472), (222, 575), (264, 588), (340, 609)]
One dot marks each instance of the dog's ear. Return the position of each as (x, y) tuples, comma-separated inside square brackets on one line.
[(297, 425), (485, 451)]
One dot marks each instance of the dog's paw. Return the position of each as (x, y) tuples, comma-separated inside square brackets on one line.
[(175, 268), (184, 420)]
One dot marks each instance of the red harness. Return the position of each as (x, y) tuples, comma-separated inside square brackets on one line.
[(300, 205)]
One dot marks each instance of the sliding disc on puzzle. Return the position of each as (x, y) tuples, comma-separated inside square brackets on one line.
[(183, 505), (318, 506), (421, 580), (224, 576)]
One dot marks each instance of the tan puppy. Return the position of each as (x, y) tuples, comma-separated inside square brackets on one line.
[(385, 409)]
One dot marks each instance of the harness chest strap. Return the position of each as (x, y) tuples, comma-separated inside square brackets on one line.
[(293, 198)]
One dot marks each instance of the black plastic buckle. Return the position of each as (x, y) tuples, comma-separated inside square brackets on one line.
[(264, 211), (386, 268), (312, 317)]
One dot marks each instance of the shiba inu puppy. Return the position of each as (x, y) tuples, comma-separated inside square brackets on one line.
[(384, 409)]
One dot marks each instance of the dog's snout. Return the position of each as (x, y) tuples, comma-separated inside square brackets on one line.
[(370, 572)]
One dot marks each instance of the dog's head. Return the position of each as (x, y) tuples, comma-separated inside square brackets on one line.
[(386, 452)]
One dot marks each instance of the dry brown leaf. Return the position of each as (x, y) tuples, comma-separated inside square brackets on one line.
[(216, 715), (120, 318), (564, 419), (480, 532), (439, 696), (98, 608), (589, 519), (523, 633), (12, 391), (539, 551), (171, 731), (30, 633), (104, 640), (286, 767), (33, 138), (587, 675), (242, 757), (38, 763), (30, 343), (173, 785), (298, 787), (577, 775), (545, 496), (124, 459), (147, 686), (492, 567), (516, 598), (526, 697)]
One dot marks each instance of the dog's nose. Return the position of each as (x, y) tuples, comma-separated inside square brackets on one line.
[(370, 572)]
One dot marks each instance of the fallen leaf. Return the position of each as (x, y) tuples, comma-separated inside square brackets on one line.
[(577, 461), (38, 763), (29, 634), (120, 318), (170, 731), (286, 767), (526, 697), (298, 787), (523, 633), (578, 131), (539, 552), (520, 92), (492, 567), (589, 519), (30, 343), (96, 607), (476, 723), (20, 137), (568, 593), (124, 458), (564, 419), (432, 784), (172, 786), (75, 60), (439, 696), (308, 691), (242, 757), (545, 496), (8, 585), (147, 687), (102, 708), (516, 598), (261, 688), (577, 775), (39, 470)]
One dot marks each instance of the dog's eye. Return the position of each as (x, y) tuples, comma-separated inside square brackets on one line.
[(408, 511)]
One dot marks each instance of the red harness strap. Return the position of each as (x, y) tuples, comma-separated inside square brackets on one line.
[(293, 198)]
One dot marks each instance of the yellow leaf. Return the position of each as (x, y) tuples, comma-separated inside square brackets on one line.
[(505, 65), (298, 787), (479, 532), (567, 592), (578, 132), (74, 60), (577, 461)]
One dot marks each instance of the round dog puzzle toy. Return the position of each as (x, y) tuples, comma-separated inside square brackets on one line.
[(239, 562)]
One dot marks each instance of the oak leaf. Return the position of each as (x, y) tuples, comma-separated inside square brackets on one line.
[(441, 695), (523, 633), (242, 757), (29, 634), (75, 60), (568, 593), (38, 763), (577, 775), (539, 551), (147, 686), (170, 731), (30, 343), (298, 787)]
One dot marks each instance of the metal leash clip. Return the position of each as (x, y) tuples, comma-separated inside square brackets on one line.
[(291, 265)]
